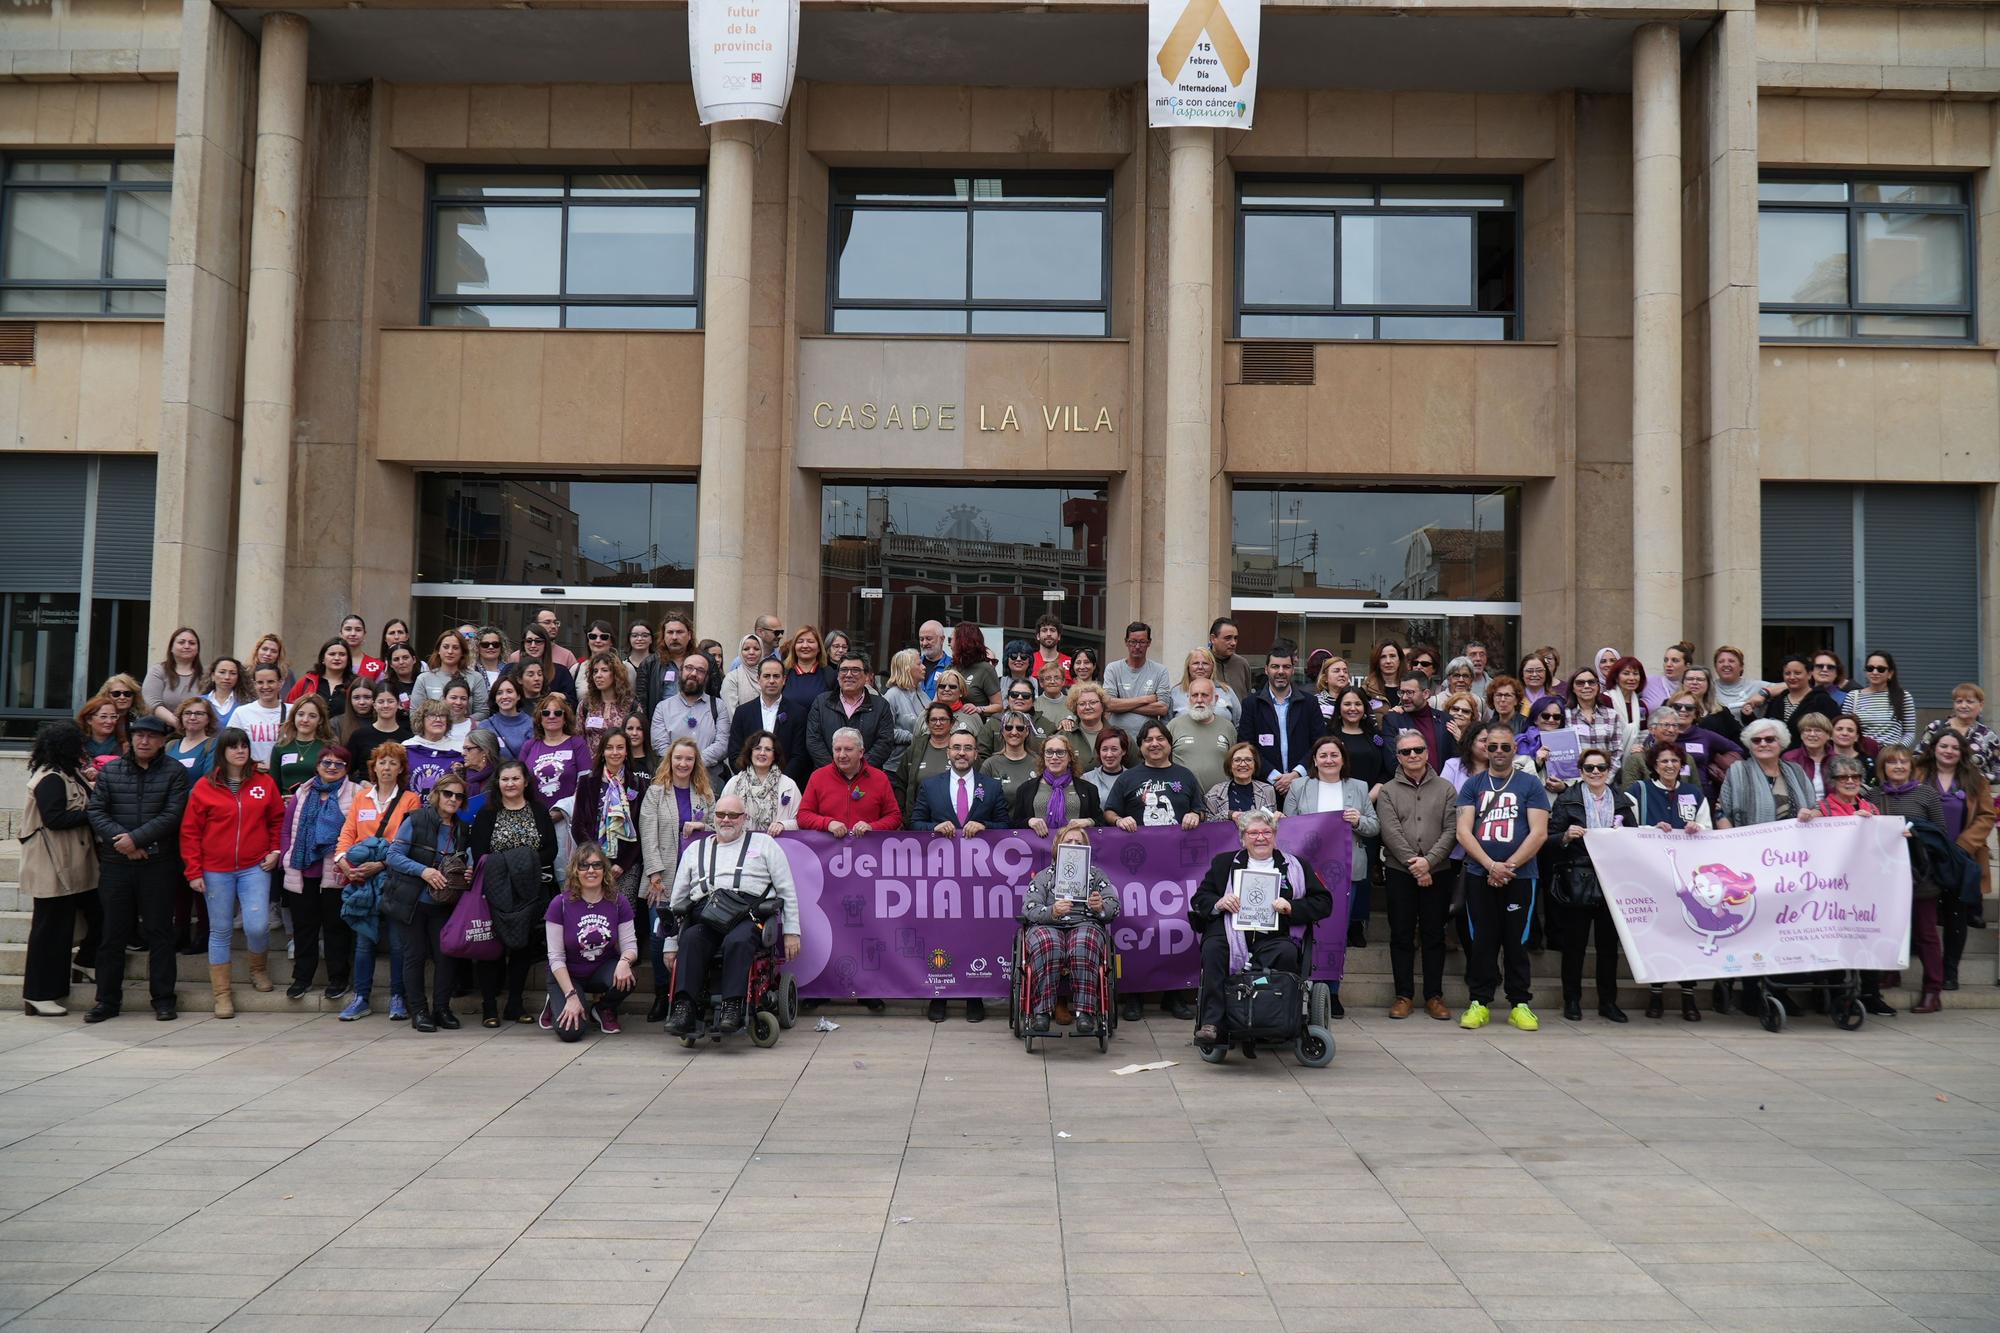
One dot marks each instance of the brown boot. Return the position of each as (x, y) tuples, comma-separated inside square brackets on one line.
[(1928, 1003), (260, 976), (225, 999)]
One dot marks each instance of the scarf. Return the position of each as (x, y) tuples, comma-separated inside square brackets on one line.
[(1899, 788), (1058, 785), (320, 820), (1239, 941), (760, 797), (614, 817)]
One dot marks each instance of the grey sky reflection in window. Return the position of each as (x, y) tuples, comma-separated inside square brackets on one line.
[(1407, 545)]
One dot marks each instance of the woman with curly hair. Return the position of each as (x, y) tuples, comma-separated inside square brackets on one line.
[(58, 864), (605, 699)]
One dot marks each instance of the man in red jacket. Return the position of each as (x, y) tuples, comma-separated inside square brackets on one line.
[(850, 795)]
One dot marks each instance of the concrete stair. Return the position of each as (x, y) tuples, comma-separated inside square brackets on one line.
[(1368, 982)]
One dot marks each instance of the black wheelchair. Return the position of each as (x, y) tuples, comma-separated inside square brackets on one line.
[(1305, 1027), (772, 1001), (1020, 1013)]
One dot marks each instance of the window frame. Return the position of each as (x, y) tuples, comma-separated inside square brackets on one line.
[(103, 284), (1853, 209), (1513, 322), (434, 201), (841, 201)]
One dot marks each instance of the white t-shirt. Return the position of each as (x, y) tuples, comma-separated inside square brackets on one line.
[(261, 724)]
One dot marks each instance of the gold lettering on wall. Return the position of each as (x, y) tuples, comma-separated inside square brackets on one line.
[(1057, 418)]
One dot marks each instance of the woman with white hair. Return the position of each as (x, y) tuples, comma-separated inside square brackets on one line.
[(1302, 900), (1764, 789)]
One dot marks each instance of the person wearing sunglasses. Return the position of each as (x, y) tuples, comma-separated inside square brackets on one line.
[(420, 895), (1829, 673), (1763, 790), (1503, 820), (1578, 906), (849, 704), (1846, 796), (592, 946), (1017, 696), (1417, 812), (1887, 712), (1668, 800), (102, 720), (746, 865)]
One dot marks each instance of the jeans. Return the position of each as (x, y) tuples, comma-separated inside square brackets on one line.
[(142, 889), (598, 983), (316, 916), (1577, 923), (391, 934), (1416, 919), (250, 887), (421, 944)]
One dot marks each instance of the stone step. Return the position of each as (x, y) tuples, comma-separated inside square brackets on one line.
[(1356, 993)]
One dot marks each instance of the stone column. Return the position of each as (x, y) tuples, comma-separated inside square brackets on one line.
[(271, 347), (1657, 567), (725, 385), (1190, 336)]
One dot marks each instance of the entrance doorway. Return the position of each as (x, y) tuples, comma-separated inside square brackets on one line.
[(439, 607)]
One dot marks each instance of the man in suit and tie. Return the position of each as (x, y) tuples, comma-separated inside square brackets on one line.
[(955, 803)]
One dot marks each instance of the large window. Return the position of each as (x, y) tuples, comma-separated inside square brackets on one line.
[(930, 252), (576, 250), (1864, 258), (1419, 258), (894, 556), (84, 236), (1345, 569)]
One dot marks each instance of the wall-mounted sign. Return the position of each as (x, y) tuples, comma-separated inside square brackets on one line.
[(1202, 62), (1053, 418), (35, 615), (743, 55)]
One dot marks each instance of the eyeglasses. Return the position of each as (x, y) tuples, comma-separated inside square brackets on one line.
[(1683, 708), (1424, 664), (598, 634), (850, 671), (333, 763), (1826, 666), (1763, 740), (126, 694), (588, 866), (1015, 727), (1019, 697), (1550, 715), (729, 814), (489, 643), (1461, 711), (1595, 768), (1877, 669), (1848, 777), (1504, 747), (552, 712), (948, 685), (1017, 657), (451, 795), (1415, 749)]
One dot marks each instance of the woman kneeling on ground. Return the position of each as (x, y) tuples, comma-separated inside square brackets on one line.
[(583, 922)]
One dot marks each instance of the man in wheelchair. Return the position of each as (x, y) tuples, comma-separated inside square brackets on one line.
[(724, 889), (1302, 900)]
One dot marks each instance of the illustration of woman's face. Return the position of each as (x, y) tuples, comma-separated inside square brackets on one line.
[(1709, 889)]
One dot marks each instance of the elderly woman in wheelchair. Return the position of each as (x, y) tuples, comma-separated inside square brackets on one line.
[(1301, 900), (1063, 929)]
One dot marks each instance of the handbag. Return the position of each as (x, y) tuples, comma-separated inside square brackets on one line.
[(1576, 885), (722, 910), (1261, 1003), (470, 933), (457, 878)]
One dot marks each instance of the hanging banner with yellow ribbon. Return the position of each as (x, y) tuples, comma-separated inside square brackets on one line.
[(1202, 66)]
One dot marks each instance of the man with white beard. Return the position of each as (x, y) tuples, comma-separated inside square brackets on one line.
[(1202, 736)]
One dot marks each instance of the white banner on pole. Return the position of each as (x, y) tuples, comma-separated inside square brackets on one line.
[(1201, 58), (743, 54)]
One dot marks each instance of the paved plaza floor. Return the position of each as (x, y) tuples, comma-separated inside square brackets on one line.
[(276, 1172)]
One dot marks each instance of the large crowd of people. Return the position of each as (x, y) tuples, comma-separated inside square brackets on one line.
[(606, 791)]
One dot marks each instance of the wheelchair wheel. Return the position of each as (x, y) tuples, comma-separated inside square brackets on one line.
[(688, 1042), (788, 1001), (1215, 1054), (1319, 1005), (1315, 1046), (1848, 1013), (1773, 1017), (764, 1032)]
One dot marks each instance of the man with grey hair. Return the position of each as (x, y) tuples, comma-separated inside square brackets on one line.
[(849, 795), (932, 655), (743, 865)]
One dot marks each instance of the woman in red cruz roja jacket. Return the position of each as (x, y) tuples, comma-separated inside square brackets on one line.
[(229, 844)]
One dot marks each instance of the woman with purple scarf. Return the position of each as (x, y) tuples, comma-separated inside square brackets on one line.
[(1054, 797)]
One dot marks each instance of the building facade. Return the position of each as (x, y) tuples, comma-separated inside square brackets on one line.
[(1595, 325)]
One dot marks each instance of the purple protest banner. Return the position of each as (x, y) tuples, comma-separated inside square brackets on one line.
[(914, 916), (1767, 898)]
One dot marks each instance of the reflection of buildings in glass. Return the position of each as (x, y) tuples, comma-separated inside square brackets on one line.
[(960, 574), (1453, 564), (1826, 284), (529, 530)]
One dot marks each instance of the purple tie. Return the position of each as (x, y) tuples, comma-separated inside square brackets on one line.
[(964, 799)]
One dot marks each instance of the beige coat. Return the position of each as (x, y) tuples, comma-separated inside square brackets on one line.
[(660, 832), (57, 863)]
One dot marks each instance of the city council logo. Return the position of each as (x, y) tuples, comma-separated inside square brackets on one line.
[(940, 960)]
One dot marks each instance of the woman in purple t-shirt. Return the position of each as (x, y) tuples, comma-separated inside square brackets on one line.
[(592, 946), (556, 759)]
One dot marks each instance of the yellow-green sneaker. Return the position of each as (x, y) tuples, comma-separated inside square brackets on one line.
[(1524, 1018), (1475, 1016)]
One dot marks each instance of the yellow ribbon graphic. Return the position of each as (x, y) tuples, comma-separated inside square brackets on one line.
[(1200, 15)]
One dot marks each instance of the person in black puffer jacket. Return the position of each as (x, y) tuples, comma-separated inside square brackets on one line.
[(1917, 802), (135, 815), (518, 839)]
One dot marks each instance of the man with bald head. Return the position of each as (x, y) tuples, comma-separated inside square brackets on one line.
[(715, 885)]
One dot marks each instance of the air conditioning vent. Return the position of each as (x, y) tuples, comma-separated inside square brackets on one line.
[(1271, 362), (17, 343)]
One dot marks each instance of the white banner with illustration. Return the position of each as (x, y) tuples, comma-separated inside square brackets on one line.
[(1774, 898), (1201, 58), (743, 54)]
